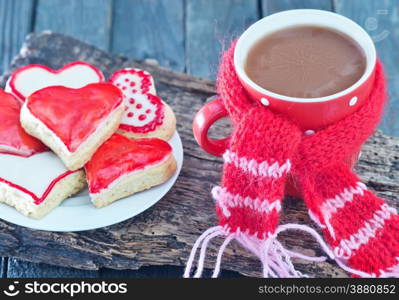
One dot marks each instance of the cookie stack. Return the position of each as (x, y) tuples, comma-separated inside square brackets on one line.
[(63, 129)]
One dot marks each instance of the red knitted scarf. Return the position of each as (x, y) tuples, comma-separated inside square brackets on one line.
[(360, 229)]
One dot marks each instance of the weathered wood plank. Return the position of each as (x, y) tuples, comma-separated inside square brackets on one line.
[(273, 6), (144, 272), (15, 23), (22, 269), (3, 267), (164, 234), (210, 26), (151, 29), (381, 20), (156, 272), (89, 20)]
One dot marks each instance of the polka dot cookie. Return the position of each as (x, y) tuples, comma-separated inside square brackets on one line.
[(146, 115)]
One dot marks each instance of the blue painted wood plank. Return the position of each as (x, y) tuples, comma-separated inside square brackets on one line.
[(144, 272), (150, 29), (159, 272), (3, 267), (88, 20), (273, 6), (381, 20), (15, 22), (21, 269), (210, 26)]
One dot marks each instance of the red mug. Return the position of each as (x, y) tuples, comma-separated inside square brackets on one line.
[(311, 114)]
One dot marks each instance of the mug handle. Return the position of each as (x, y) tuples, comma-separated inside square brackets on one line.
[(203, 120)]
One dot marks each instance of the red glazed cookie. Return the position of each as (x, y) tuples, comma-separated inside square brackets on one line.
[(31, 78), (73, 122), (146, 115), (32, 179), (13, 139), (123, 166)]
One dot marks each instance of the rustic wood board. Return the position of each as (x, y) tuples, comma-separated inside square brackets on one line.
[(164, 234)]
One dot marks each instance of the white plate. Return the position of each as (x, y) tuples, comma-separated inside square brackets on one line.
[(78, 214)]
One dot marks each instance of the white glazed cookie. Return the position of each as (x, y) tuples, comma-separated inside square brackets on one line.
[(37, 184), (146, 115), (31, 78)]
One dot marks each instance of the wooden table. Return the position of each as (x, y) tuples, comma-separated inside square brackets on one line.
[(183, 35)]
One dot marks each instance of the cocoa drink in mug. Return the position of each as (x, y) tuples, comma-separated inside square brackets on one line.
[(313, 66)]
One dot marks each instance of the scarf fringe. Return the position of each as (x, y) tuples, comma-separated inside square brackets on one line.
[(276, 260)]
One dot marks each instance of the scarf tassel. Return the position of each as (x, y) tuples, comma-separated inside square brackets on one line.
[(276, 260)]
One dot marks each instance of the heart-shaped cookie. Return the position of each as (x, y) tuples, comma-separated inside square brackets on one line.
[(37, 184), (31, 78), (146, 115), (32, 179), (73, 122), (123, 166), (13, 139)]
